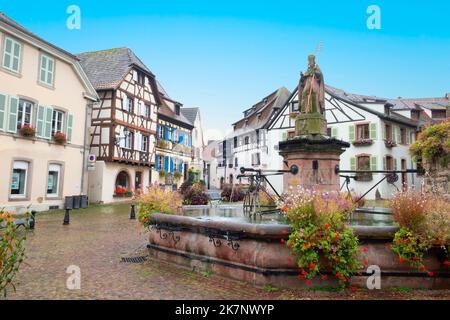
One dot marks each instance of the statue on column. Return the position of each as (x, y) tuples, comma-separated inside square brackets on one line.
[(311, 96)]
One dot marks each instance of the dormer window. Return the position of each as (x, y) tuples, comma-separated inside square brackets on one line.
[(387, 109), (177, 109)]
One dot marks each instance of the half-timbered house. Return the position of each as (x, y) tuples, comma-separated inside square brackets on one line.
[(174, 143), (379, 138), (124, 124)]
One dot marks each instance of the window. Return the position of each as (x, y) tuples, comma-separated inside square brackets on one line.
[(57, 121), (24, 113), (53, 183), (47, 68), (123, 180), (329, 132), (141, 78), (402, 135), (256, 159), (389, 163), (438, 114), (362, 132), (177, 110), (247, 140), (19, 179), (146, 111), (160, 164), (11, 55), (363, 163), (144, 143), (127, 104), (235, 142), (388, 132), (161, 132), (236, 162), (127, 139)]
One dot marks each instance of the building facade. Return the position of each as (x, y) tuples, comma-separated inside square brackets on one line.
[(198, 142), (124, 124), (249, 145), (45, 103), (380, 139), (174, 146)]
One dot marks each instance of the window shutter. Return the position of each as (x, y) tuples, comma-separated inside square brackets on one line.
[(166, 164), (181, 167), (395, 164), (353, 163), (408, 137), (351, 133), (334, 132), (7, 54), (69, 127), (166, 133), (48, 123), (373, 163), (43, 69), (12, 114), (50, 71), (122, 138), (373, 131), (171, 165), (125, 103), (397, 136), (157, 163), (40, 121), (384, 163), (285, 136), (2, 111)]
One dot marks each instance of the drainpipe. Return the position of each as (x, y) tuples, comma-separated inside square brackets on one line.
[(88, 106)]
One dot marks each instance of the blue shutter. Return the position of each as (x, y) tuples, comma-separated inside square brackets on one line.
[(171, 165), (181, 137), (181, 167), (157, 163), (172, 134), (166, 164), (190, 140), (166, 133), (157, 131)]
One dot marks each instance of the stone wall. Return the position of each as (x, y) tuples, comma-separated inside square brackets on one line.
[(437, 178)]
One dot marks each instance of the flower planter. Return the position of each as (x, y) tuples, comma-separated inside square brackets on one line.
[(27, 131), (60, 138), (362, 143), (390, 144), (364, 177)]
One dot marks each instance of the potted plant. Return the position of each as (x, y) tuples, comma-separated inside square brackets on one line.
[(177, 176), (162, 174), (60, 138), (27, 131)]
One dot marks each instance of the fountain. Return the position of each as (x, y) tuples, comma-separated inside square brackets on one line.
[(232, 244)]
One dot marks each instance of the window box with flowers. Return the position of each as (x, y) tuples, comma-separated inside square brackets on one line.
[(363, 142), (390, 144), (27, 131), (121, 192), (60, 138)]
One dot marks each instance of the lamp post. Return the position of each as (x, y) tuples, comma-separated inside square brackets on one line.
[(66, 217)]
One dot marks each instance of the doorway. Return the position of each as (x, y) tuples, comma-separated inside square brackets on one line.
[(404, 176), (138, 182)]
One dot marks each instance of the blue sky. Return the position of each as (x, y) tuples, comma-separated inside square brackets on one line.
[(224, 56)]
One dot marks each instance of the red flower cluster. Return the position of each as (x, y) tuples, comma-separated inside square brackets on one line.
[(120, 190), (60, 137)]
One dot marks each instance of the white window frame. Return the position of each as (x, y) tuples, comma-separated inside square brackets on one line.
[(20, 165), (144, 143), (56, 121), (21, 119), (46, 70), (54, 167), (11, 55)]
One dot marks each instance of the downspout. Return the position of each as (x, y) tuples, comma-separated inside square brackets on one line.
[(86, 114)]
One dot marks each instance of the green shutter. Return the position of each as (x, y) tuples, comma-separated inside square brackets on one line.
[(395, 164), (43, 68), (351, 133), (40, 121), (285, 136), (49, 72), (2, 111), (384, 163), (7, 55), (48, 123), (69, 127), (12, 114), (373, 131), (373, 163), (334, 132), (353, 163)]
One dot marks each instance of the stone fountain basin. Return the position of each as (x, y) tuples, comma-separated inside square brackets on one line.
[(254, 252)]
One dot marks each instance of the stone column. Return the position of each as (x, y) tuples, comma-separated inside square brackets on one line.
[(316, 159)]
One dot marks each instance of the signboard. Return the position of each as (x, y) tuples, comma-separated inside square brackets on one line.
[(92, 159)]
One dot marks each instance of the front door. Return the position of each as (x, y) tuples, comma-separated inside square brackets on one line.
[(138, 181)]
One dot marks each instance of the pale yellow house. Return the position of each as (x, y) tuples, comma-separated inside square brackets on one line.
[(44, 94)]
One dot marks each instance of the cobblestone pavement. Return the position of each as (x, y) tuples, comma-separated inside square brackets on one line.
[(96, 240)]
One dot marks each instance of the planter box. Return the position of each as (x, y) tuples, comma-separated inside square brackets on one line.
[(362, 143)]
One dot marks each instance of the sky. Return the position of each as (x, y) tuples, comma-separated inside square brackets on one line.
[(225, 56)]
